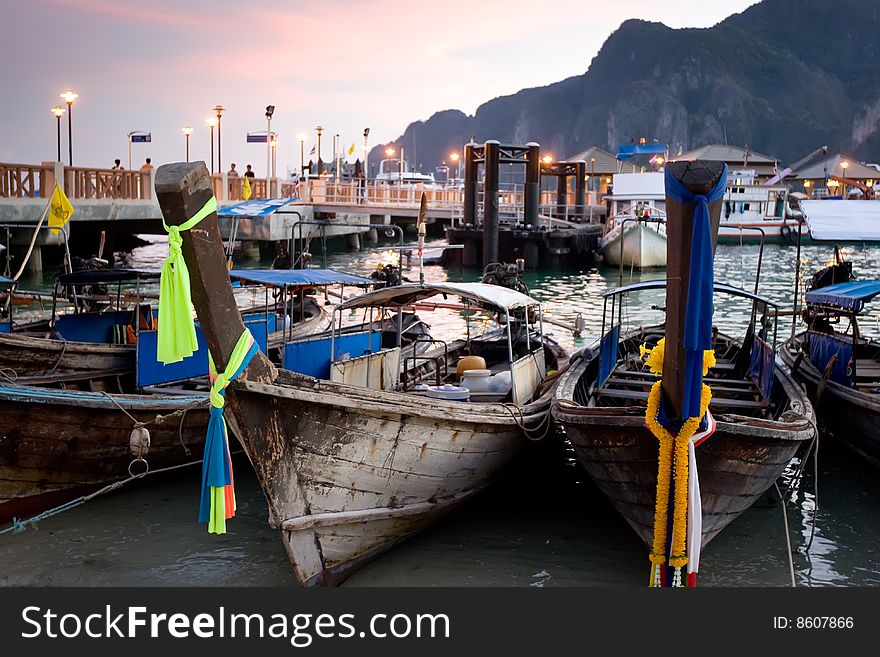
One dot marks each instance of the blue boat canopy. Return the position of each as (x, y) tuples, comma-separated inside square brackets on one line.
[(850, 296), (295, 277), (626, 152), (6, 281), (255, 208), (96, 276)]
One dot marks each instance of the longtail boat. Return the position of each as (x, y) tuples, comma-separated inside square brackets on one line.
[(763, 419), (57, 444), (835, 355), (102, 340), (683, 443), (356, 457)]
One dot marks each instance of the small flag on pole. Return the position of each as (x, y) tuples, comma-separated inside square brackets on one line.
[(312, 152), (351, 149), (60, 210), (246, 190)]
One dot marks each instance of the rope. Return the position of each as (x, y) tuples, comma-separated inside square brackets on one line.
[(787, 536), (545, 422), (19, 526), (60, 356), (137, 423)]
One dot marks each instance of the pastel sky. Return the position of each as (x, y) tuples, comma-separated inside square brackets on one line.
[(157, 65)]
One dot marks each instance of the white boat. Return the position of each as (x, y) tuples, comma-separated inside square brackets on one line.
[(390, 173), (749, 208), (635, 234)]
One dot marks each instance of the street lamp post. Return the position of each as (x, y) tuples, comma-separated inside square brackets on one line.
[(319, 130), (455, 158), (212, 122), (218, 110), (270, 110), (336, 158), (389, 153), (366, 153), (844, 165), (69, 96), (302, 154), (187, 131), (58, 111)]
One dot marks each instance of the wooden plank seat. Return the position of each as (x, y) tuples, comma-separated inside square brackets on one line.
[(717, 385), (717, 402), (867, 369)]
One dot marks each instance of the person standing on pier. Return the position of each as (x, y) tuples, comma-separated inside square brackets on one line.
[(146, 166), (117, 166), (232, 172), (249, 173)]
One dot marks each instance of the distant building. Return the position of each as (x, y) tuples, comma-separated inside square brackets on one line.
[(601, 166), (736, 158), (837, 175)]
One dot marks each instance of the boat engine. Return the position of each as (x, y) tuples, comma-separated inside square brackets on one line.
[(506, 275)]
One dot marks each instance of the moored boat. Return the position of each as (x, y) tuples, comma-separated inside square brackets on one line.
[(635, 234), (56, 444), (763, 419), (356, 457), (834, 355)]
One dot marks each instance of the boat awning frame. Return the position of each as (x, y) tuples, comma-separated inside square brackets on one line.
[(97, 276), (255, 208), (851, 296), (502, 298), (298, 277), (661, 284)]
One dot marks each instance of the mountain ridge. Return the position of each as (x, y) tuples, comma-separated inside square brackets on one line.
[(782, 76)]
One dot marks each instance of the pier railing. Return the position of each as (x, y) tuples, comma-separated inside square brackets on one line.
[(19, 180)]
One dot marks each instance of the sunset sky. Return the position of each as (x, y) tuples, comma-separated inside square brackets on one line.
[(157, 65)]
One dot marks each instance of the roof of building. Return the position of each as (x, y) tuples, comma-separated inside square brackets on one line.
[(605, 165), (833, 165), (725, 153)]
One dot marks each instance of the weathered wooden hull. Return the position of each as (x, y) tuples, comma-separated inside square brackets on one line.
[(348, 472), (737, 465), (27, 356), (853, 416), (56, 443)]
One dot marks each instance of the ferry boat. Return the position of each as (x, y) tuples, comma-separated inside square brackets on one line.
[(635, 232), (749, 208), (390, 173)]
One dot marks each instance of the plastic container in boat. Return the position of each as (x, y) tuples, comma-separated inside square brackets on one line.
[(476, 380), (469, 363), (501, 382), (421, 389), (449, 392)]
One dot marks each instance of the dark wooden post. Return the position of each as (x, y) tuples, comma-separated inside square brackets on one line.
[(470, 185), (699, 177), (490, 201), (561, 192), (532, 192), (580, 188), (182, 189)]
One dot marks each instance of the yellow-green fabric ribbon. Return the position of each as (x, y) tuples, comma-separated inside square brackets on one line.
[(176, 329)]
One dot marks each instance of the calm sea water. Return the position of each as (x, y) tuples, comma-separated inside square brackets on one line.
[(544, 524)]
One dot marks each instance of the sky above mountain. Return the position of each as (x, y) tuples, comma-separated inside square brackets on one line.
[(157, 65)]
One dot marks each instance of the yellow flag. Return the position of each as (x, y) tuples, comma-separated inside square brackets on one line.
[(246, 190), (60, 210), (351, 149)]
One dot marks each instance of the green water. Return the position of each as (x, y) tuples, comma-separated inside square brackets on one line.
[(543, 525)]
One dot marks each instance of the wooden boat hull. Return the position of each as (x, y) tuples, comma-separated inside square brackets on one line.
[(30, 356), (853, 416), (54, 444), (737, 465), (643, 246), (349, 472)]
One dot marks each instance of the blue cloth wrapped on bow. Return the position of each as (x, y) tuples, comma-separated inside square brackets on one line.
[(701, 282)]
